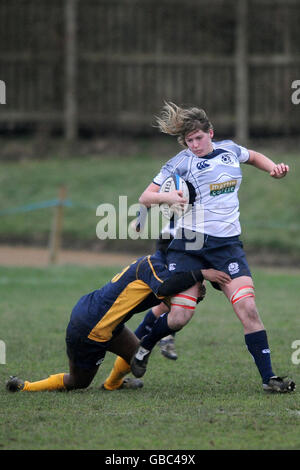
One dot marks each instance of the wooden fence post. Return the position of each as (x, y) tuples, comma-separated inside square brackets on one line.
[(57, 225), (71, 70), (242, 78), (2, 92)]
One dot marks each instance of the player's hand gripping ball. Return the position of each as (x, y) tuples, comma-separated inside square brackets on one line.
[(173, 183)]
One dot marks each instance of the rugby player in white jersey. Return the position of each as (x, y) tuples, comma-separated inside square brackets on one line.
[(214, 169)]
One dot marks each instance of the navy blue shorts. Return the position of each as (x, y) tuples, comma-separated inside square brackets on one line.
[(224, 254), (82, 351)]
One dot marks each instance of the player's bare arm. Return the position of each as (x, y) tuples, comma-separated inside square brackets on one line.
[(152, 196), (179, 282), (213, 275), (260, 161)]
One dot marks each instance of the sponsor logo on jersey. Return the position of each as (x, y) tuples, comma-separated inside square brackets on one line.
[(222, 188), (233, 268), (203, 165)]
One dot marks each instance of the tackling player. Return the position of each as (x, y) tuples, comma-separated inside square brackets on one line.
[(97, 323)]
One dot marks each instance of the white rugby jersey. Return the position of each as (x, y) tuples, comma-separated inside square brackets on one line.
[(216, 178)]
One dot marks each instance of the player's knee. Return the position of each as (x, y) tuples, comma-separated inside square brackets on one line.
[(77, 383), (78, 379), (251, 311), (182, 321), (247, 307), (248, 313), (178, 320), (158, 310)]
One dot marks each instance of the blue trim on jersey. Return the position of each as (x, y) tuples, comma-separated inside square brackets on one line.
[(214, 153)]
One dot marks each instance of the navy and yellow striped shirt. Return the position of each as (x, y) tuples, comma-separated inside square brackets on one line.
[(102, 312)]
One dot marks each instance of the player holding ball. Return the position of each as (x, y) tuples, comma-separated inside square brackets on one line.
[(214, 170)]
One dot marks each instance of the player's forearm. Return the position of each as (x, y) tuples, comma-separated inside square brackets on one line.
[(260, 161), (151, 198), (276, 170)]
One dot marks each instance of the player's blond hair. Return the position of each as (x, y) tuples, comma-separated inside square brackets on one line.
[(182, 121)]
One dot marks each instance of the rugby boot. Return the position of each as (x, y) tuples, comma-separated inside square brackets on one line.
[(139, 362), (279, 385), (129, 383), (167, 348), (14, 384)]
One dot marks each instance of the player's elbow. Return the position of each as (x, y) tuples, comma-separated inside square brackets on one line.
[(144, 199)]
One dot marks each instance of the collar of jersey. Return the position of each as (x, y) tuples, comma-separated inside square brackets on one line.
[(213, 154)]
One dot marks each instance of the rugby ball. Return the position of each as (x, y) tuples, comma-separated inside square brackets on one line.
[(172, 183)]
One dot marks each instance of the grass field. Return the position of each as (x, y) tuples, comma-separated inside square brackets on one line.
[(269, 208), (210, 398)]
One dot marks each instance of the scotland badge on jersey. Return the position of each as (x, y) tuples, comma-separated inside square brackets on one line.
[(227, 159)]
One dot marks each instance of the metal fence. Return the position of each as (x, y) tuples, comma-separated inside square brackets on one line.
[(103, 65)]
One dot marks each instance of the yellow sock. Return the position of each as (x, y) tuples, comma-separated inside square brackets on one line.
[(54, 382), (115, 378)]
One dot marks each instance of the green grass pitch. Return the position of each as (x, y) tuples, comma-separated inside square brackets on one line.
[(210, 398)]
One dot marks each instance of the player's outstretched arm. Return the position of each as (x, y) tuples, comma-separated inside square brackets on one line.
[(260, 161), (180, 282)]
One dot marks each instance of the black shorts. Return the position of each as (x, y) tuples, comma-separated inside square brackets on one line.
[(84, 352), (224, 254)]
